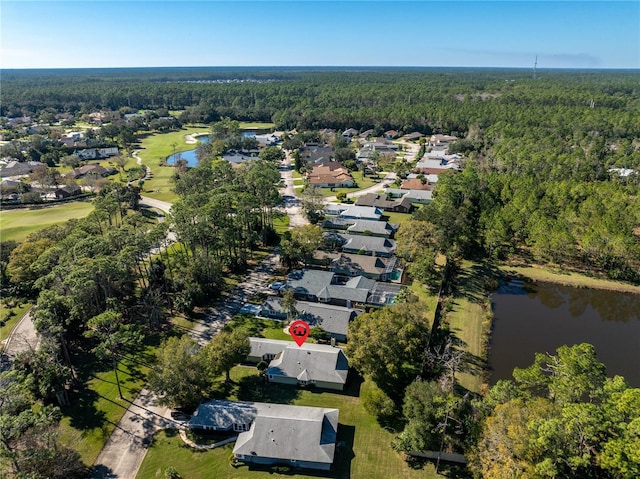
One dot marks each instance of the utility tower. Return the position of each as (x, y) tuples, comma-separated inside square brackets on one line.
[(535, 67)]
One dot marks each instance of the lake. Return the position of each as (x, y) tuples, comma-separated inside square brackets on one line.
[(190, 155), (541, 317)]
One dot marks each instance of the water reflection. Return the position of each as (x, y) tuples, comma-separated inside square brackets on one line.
[(544, 316)]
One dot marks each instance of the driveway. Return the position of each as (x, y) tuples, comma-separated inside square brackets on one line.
[(124, 452)]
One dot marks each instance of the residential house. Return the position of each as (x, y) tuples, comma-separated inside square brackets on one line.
[(441, 140), (321, 286), (97, 153), (373, 199), (312, 152), (390, 134), (372, 267), (446, 162), (18, 168), (333, 319), (350, 132), (263, 349), (68, 191), (334, 209), (413, 136), (370, 213), (270, 434), (368, 245), (361, 226), (366, 134), (330, 175), (319, 365), (373, 228), (295, 436), (93, 169), (416, 184), (414, 196)]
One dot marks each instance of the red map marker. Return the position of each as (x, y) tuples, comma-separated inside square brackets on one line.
[(299, 331)]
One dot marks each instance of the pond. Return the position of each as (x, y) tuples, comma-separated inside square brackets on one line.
[(190, 155), (541, 317)]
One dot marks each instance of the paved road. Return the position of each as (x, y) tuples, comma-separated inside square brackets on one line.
[(385, 183), (23, 337)]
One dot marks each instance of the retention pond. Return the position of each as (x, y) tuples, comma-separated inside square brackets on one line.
[(541, 317)]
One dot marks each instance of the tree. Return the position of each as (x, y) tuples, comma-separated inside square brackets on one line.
[(179, 377), (312, 204), (389, 345), (272, 154), (114, 337), (289, 303), (560, 417), (226, 350)]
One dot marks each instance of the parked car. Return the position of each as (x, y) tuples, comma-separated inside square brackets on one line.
[(276, 285), (180, 415)]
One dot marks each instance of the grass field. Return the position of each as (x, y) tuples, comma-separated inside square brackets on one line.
[(568, 278), (96, 409), (470, 320), (17, 224), (364, 447), (154, 149)]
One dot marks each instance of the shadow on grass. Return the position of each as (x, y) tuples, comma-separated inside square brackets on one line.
[(477, 282), (83, 413), (254, 388)]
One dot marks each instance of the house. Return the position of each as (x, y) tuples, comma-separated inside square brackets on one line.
[(390, 134), (235, 158), (443, 162), (413, 136), (350, 132), (330, 174), (366, 134), (18, 168), (312, 152), (438, 140), (373, 199), (322, 286), (334, 209), (372, 267), (265, 349), (268, 139), (68, 192), (268, 434), (93, 169), (223, 416), (368, 245), (319, 365), (372, 228), (416, 184), (296, 436), (361, 213), (414, 196), (96, 153), (333, 319)]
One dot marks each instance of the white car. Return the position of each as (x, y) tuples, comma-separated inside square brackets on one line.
[(276, 285)]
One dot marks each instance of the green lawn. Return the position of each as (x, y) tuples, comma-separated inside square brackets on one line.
[(362, 183), (17, 224), (396, 218), (470, 320), (154, 149), (256, 125), (13, 314), (364, 447), (97, 408), (281, 223)]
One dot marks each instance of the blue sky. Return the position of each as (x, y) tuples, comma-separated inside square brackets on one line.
[(122, 33)]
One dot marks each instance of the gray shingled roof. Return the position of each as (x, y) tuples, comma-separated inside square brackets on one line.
[(375, 227), (308, 281), (291, 433), (222, 415), (317, 362), (369, 244), (262, 346), (333, 319)]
